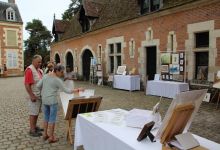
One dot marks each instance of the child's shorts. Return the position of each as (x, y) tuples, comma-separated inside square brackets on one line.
[(50, 113)]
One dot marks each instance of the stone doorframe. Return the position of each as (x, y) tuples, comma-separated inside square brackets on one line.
[(142, 52), (80, 65)]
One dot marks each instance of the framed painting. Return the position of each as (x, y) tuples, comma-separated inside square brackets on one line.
[(175, 59), (164, 68), (165, 58), (181, 61), (182, 55), (174, 69), (121, 70)]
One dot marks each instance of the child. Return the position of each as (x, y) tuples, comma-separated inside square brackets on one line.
[(50, 85)]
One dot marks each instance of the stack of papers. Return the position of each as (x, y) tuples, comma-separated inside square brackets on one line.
[(137, 118)]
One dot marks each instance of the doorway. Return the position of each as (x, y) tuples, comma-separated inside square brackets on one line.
[(151, 62), (86, 59), (57, 58), (69, 60)]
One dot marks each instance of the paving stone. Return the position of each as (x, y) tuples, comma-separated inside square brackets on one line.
[(14, 125)]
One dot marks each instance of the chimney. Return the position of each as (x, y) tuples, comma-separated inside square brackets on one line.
[(11, 1)]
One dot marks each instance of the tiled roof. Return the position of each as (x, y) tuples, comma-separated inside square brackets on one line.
[(109, 12), (92, 8), (60, 25), (116, 11), (73, 29), (4, 6)]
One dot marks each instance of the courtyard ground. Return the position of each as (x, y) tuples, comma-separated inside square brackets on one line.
[(14, 115)]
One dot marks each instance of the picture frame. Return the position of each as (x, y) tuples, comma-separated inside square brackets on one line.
[(181, 69), (163, 76), (165, 58), (181, 61), (164, 68), (202, 72), (146, 132), (174, 69), (171, 77), (182, 55), (99, 67), (121, 70), (175, 59), (167, 77)]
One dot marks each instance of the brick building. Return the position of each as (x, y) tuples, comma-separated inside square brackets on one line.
[(136, 32), (11, 40)]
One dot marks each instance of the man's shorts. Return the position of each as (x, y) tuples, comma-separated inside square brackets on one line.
[(34, 107)]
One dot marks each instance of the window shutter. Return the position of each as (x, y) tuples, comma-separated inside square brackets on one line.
[(11, 38)]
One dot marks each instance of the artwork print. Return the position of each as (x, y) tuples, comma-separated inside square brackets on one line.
[(174, 69), (175, 59), (121, 69), (202, 73), (181, 61), (164, 68), (181, 55), (165, 58)]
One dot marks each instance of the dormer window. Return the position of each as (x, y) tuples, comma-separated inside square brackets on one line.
[(10, 14), (148, 6)]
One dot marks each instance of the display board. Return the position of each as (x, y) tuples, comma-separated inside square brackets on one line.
[(173, 66)]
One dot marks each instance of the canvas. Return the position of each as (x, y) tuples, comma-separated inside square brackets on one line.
[(175, 59), (165, 58), (165, 68), (174, 69), (121, 69)]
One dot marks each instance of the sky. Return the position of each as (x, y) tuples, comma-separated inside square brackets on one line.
[(40, 9)]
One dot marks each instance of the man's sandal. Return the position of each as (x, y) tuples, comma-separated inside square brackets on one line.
[(53, 140)]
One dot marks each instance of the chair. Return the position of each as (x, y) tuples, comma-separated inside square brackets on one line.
[(77, 106)]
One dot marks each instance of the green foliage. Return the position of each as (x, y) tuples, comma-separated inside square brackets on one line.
[(72, 10), (38, 41)]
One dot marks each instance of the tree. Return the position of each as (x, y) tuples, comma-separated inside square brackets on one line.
[(38, 41), (74, 7)]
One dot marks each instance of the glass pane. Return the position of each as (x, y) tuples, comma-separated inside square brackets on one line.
[(118, 61), (202, 39), (118, 47), (145, 6), (155, 5), (111, 59), (202, 61), (111, 48)]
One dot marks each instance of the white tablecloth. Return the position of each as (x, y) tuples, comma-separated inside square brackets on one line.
[(165, 88), (127, 82), (106, 130)]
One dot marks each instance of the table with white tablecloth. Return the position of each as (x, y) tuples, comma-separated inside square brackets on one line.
[(107, 130), (165, 88), (127, 82)]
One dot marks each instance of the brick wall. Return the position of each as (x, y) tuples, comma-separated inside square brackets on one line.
[(161, 23)]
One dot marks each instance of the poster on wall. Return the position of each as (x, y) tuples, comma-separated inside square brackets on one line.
[(175, 59), (174, 69), (165, 58)]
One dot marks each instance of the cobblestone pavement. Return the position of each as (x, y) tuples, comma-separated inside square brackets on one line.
[(14, 115)]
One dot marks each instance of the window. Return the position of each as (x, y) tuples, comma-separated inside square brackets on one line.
[(11, 38), (12, 59), (131, 48), (150, 5), (10, 14), (171, 42), (118, 47), (111, 48), (202, 39), (202, 63), (114, 56)]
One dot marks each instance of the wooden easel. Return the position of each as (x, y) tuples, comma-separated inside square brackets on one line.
[(77, 106), (177, 122)]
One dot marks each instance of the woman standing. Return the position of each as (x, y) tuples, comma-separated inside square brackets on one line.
[(50, 85)]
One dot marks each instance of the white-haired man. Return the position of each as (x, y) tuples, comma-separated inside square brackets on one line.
[(33, 74)]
